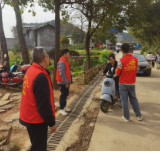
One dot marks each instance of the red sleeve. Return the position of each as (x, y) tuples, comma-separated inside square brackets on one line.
[(118, 71)]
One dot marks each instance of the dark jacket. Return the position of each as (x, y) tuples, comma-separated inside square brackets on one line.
[(108, 68), (42, 95)]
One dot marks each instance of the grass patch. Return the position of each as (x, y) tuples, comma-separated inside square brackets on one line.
[(15, 148)]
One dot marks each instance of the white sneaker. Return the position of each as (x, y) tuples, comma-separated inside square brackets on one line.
[(63, 112), (67, 109), (127, 120), (140, 118)]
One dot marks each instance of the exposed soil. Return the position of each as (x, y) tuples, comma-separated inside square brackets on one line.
[(85, 132), (19, 135)]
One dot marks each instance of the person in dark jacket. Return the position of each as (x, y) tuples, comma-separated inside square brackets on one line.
[(37, 106), (110, 68)]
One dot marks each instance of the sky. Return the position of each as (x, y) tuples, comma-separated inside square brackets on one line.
[(10, 21)]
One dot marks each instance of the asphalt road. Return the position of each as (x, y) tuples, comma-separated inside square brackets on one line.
[(112, 133)]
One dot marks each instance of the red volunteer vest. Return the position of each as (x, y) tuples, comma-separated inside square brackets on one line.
[(29, 112), (129, 69), (68, 73)]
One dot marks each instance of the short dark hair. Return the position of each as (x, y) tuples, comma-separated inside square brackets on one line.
[(112, 56), (125, 48), (149, 52), (65, 51)]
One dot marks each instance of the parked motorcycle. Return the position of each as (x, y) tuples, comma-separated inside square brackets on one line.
[(23, 68), (12, 79), (108, 93)]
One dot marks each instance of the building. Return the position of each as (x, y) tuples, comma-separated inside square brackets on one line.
[(38, 36)]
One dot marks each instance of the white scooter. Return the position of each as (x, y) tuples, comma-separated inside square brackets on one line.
[(108, 93)]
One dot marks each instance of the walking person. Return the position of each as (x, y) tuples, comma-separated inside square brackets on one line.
[(63, 78), (157, 59), (37, 106), (149, 58), (127, 70)]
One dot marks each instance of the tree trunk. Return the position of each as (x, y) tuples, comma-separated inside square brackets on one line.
[(21, 39), (57, 41), (3, 39), (87, 41)]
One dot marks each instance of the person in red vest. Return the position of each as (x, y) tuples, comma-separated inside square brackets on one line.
[(37, 106), (127, 70), (63, 78)]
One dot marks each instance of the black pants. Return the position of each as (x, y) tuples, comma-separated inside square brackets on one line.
[(63, 96), (38, 138)]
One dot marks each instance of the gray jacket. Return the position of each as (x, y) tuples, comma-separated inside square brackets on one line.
[(157, 59), (62, 71)]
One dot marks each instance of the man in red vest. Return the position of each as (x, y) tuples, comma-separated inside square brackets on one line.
[(37, 106), (63, 78), (127, 70)]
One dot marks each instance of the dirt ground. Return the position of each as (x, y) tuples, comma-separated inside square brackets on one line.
[(19, 135)]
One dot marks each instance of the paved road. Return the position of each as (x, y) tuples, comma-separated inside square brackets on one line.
[(112, 133)]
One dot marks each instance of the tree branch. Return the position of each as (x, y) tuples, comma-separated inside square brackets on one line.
[(65, 2)]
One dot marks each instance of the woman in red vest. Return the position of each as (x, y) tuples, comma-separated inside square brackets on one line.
[(37, 105), (63, 78)]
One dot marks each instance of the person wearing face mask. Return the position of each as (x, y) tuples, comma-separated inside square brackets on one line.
[(110, 69)]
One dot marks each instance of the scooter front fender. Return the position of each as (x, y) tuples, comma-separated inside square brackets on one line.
[(106, 97)]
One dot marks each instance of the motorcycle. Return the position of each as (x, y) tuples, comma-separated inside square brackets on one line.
[(23, 68), (108, 93), (12, 79)]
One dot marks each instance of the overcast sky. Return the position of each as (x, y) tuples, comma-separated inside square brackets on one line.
[(9, 18)]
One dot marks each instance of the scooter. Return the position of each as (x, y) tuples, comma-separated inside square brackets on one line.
[(108, 93)]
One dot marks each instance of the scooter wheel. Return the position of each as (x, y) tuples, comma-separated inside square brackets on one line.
[(104, 106)]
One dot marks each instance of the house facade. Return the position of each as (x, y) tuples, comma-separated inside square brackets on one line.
[(38, 36)]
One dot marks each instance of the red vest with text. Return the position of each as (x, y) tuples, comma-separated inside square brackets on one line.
[(68, 73), (29, 112), (129, 69)]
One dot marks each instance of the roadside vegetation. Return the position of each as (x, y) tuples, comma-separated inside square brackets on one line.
[(98, 56)]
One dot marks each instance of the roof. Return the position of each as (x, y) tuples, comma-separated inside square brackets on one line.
[(43, 26)]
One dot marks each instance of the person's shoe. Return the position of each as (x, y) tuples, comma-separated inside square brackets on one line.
[(63, 112), (140, 118), (127, 120), (67, 109)]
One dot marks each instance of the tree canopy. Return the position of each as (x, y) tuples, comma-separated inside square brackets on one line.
[(145, 25)]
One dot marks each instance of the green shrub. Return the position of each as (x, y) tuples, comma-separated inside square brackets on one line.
[(77, 47), (144, 49), (16, 49), (105, 56), (14, 60), (75, 67), (51, 67)]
